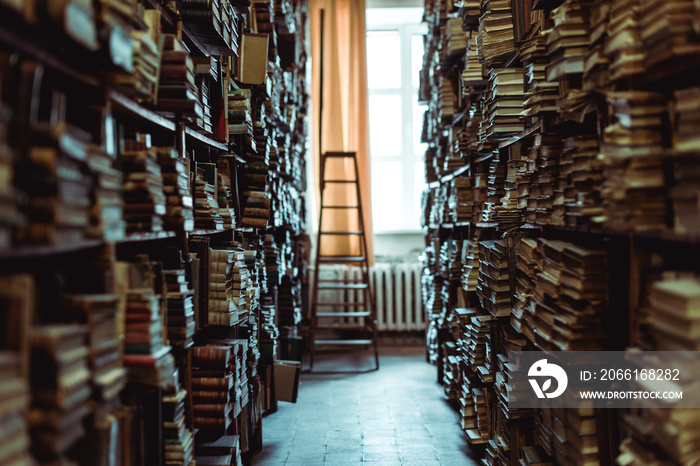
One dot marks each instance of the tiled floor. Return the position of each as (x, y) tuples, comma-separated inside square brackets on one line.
[(396, 416)]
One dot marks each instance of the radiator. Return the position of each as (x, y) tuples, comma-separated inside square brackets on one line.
[(396, 289)]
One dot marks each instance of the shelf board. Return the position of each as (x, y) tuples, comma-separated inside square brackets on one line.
[(206, 140), (29, 47), (210, 232), (29, 251), (127, 105), (457, 119), (484, 158), (521, 135), (147, 236), (457, 172)]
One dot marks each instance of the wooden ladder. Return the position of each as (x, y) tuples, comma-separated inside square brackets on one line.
[(361, 313)]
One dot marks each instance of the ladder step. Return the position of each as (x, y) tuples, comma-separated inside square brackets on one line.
[(340, 280), (340, 207), (343, 155), (343, 314), (343, 342), (342, 286), (341, 304), (340, 181), (341, 259), (341, 233)]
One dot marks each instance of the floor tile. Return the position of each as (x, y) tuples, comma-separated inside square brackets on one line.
[(371, 418)]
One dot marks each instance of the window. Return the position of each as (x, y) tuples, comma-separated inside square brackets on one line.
[(394, 60)]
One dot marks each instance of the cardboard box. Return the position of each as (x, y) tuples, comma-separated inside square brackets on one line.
[(287, 380), (253, 69)]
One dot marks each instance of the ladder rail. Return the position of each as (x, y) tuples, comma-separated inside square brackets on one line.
[(367, 319)]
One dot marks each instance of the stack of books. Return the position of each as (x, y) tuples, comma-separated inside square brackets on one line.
[(451, 373), (596, 66), (181, 324), (206, 208), (256, 205), (60, 389), (569, 40), (461, 200), (624, 47), (9, 214), (225, 450), (144, 199), (673, 313), (177, 89), (455, 40), (179, 212), (142, 82), (208, 72), (287, 205), (58, 190), (99, 313), (494, 280), (543, 163), (14, 401), (633, 189), (524, 283), (496, 188), (106, 214), (255, 263), (686, 110), (289, 300), (470, 263), (214, 24), (240, 119), (570, 299), (504, 101), (224, 194), (221, 309), (144, 326), (262, 134), (446, 99), (178, 439), (496, 40), (583, 200), (685, 194), (571, 435), (669, 30), (473, 76), (212, 383), (542, 95)]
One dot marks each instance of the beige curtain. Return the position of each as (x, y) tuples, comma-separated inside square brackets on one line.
[(345, 116)]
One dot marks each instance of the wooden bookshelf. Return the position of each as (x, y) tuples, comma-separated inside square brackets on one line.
[(550, 185), (109, 129)]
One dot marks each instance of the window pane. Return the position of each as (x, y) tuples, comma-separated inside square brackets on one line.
[(416, 58), (418, 111), (385, 124), (387, 198), (383, 60)]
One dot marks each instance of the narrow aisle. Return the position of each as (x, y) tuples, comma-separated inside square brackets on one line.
[(396, 416)]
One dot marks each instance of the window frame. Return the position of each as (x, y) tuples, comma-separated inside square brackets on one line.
[(409, 155)]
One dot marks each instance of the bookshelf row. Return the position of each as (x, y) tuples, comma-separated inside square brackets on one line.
[(561, 212), (152, 227)]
